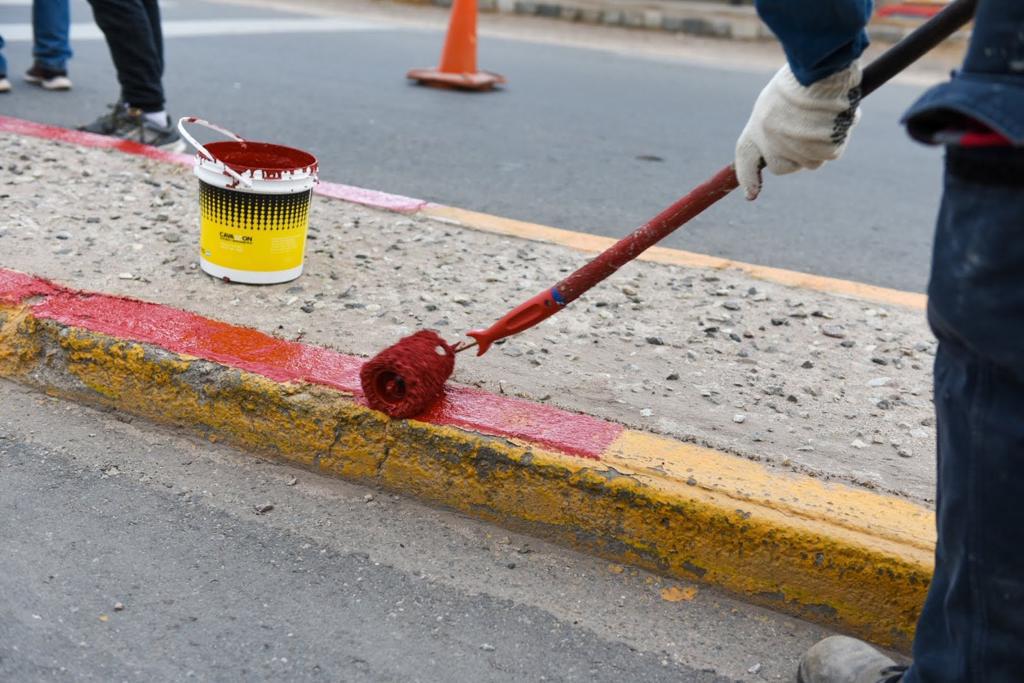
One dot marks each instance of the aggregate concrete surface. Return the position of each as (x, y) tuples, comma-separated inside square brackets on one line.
[(134, 552), (816, 383)]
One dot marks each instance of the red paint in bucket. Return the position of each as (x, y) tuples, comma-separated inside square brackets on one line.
[(271, 159)]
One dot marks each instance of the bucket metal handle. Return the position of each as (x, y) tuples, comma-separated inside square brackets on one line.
[(204, 152)]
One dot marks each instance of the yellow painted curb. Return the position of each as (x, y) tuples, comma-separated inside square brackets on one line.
[(594, 243), (850, 559)]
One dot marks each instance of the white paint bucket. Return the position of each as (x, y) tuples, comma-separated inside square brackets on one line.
[(254, 202)]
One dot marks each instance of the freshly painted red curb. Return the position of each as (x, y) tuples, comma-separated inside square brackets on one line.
[(16, 287), (284, 361), (9, 124), (349, 193)]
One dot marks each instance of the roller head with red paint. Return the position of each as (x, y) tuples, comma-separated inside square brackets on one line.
[(405, 379)]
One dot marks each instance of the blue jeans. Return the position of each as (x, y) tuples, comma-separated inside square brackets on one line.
[(133, 33), (51, 22), (972, 625)]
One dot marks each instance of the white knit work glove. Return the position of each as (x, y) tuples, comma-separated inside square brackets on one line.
[(794, 126)]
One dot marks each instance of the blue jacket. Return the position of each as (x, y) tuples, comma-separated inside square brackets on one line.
[(821, 37)]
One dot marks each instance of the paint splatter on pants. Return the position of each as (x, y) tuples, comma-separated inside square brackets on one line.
[(972, 626)]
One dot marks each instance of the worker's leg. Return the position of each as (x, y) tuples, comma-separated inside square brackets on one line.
[(972, 626)]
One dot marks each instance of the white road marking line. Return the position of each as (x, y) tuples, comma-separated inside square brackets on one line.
[(213, 27)]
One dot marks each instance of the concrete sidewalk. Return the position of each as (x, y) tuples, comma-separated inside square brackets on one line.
[(815, 379)]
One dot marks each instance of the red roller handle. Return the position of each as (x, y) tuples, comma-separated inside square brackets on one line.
[(647, 235), (522, 317), (550, 301)]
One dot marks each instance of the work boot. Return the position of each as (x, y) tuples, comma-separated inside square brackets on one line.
[(839, 659)]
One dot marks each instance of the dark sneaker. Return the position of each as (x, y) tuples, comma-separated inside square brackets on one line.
[(129, 123), (5, 85), (48, 79), (839, 659), (109, 122)]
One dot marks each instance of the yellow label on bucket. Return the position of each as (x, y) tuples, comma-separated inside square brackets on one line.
[(254, 232)]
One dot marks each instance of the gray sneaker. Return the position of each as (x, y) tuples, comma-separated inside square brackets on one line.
[(129, 123), (839, 659)]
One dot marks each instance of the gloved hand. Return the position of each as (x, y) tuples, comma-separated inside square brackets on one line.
[(794, 126)]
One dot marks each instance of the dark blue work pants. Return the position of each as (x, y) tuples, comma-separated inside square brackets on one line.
[(972, 626)]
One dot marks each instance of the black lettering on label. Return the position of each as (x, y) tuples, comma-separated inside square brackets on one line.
[(231, 237)]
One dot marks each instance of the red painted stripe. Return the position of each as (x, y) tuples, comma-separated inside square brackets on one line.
[(285, 361), (16, 287), (348, 193), (76, 137), (374, 198), (489, 413)]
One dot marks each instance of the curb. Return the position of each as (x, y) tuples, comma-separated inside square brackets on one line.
[(850, 559), (474, 220)]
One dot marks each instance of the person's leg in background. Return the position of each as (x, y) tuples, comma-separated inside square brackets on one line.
[(128, 28), (5, 85), (152, 8), (134, 37), (51, 46)]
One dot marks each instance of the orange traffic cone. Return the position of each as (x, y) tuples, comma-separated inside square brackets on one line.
[(458, 59)]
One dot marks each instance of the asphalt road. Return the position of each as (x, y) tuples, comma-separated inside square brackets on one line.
[(569, 142), (336, 582)]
